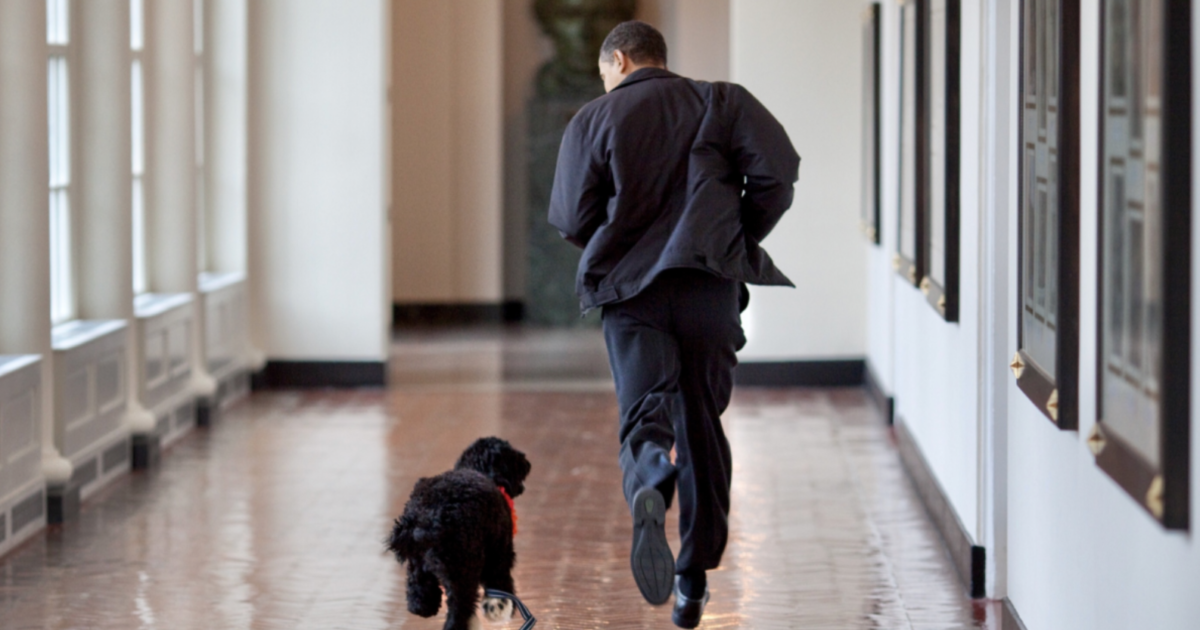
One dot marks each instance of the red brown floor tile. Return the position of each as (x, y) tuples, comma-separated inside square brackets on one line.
[(274, 518)]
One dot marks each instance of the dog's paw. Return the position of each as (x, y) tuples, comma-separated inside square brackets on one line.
[(497, 608)]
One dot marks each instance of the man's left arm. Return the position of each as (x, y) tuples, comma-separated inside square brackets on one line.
[(579, 198)]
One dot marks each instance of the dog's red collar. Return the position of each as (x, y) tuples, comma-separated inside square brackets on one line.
[(512, 509)]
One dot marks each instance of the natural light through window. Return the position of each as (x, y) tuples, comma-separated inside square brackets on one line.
[(137, 97), (62, 303), (202, 235)]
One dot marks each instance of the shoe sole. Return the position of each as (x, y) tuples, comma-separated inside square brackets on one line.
[(651, 559)]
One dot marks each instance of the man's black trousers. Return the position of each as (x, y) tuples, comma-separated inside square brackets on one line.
[(672, 350)]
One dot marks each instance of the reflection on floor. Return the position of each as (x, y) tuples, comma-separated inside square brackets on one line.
[(274, 518)]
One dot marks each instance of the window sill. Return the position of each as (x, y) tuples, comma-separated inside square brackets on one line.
[(15, 362), (211, 282), (149, 305), (73, 334)]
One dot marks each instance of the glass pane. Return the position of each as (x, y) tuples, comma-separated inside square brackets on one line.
[(908, 124), (137, 31), (138, 119), (58, 119), (1132, 278), (58, 24), (139, 238), (936, 217), (62, 307), (1039, 187), (199, 109), (198, 26), (201, 223)]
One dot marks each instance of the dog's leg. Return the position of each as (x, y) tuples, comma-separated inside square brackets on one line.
[(497, 574), (462, 595), (424, 594)]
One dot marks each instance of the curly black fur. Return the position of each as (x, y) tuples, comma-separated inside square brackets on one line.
[(456, 531)]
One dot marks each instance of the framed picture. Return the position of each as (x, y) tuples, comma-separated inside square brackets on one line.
[(910, 216), (1047, 361), (927, 238), (940, 156), (1141, 437), (872, 150)]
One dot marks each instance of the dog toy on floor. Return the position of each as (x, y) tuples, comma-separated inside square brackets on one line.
[(456, 533), (530, 622)]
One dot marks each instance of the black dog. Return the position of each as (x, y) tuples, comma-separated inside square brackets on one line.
[(457, 530)]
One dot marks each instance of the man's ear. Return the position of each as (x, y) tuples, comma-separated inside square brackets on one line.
[(621, 62)]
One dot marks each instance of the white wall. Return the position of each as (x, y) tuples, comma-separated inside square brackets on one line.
[(801, 60), (318, 173), (448, 140), (1068, 522)]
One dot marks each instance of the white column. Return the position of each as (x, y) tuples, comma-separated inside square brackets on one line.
[(171, 147), (24, 207), (104, 204), (225, 110)]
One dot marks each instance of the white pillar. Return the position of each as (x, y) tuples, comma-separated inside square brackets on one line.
[(104, 205), (225, 110), (24, 207), (171, 217), (170, 147), (102, 122)]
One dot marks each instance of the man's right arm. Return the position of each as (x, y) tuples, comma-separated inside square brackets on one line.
[(579, 198), (763, 154)]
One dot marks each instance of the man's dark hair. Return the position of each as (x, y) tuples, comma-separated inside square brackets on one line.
[(639, 41)]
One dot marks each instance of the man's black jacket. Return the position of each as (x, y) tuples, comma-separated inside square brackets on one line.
[(665, 172)]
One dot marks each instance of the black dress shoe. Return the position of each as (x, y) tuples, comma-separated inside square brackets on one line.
[(650, 558), (687, 612)]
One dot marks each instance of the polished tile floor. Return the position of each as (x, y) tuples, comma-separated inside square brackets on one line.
[(274, 518)]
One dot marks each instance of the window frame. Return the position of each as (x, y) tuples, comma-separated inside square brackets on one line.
[(1162, 490), (1055, 395)]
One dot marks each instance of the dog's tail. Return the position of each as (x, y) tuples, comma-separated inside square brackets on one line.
[(411, 537)]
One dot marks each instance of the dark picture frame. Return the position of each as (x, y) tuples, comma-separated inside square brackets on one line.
[(910, 209), (939, 240), (1141, 436), (1048, 219), (928, 228), (872, 156)]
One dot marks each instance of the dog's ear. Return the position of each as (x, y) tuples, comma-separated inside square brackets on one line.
[(512, 469), (480, 456)]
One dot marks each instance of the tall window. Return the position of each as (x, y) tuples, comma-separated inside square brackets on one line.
[(201, 175), (1049, 201), (137, 41), (58, 38)]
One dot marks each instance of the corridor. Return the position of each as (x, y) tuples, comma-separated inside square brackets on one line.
[(274, 517)]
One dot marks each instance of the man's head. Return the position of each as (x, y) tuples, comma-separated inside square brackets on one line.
[(630, 46)]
